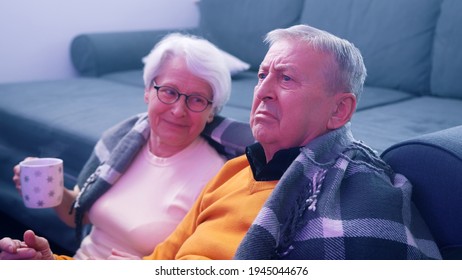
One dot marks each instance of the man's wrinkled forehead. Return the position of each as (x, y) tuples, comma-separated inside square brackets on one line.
[(279, 53), (287, 55)]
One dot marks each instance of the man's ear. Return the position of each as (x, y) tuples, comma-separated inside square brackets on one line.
[(344, 107)]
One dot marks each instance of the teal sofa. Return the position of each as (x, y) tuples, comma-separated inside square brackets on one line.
[(414, 87)]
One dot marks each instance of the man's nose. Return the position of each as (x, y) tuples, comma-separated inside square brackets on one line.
[(265, 90)]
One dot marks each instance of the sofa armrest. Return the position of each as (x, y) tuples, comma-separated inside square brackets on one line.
[(433, 164), (96, 54)]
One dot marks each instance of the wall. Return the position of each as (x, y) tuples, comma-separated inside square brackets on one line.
[(36, 35)]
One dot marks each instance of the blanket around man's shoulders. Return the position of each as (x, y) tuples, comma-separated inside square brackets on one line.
[(339, 200)]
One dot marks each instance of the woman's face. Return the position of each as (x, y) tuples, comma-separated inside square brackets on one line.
[(174, 126)]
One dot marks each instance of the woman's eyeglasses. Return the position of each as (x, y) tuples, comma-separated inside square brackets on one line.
[(194, 102)]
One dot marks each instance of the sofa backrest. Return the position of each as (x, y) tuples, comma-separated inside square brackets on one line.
[(394, 36), (238, 26), (446, 78)]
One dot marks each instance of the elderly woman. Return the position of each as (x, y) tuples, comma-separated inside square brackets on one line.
[(145, 173)]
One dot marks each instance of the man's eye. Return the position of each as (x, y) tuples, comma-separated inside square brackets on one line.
[(261, 76), (286, 78)]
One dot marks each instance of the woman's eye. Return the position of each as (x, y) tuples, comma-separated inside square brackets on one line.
[(170, 92), (197, 100)]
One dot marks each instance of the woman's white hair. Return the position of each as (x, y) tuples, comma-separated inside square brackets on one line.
[(202, 58), (346, 72)]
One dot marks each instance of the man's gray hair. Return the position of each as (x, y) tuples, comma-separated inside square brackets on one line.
[(349, 71), (202, 58)]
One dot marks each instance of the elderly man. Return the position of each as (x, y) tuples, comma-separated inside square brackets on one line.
[(307, 189)]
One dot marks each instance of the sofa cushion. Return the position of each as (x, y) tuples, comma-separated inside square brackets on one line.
[(447, 56), (384, 126), (394, 36), (239, 26)]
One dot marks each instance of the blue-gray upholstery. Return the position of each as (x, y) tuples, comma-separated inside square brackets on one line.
[(433, 163), (411, 49)]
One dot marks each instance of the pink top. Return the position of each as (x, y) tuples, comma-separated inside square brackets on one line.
[(148, 201)]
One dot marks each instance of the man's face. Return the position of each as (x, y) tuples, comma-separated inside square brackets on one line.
[(291, 105)]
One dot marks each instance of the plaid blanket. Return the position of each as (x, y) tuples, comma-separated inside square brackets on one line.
[(339, 200), (119, 145)]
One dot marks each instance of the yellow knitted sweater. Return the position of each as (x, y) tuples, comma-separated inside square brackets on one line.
[(215, 221)]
